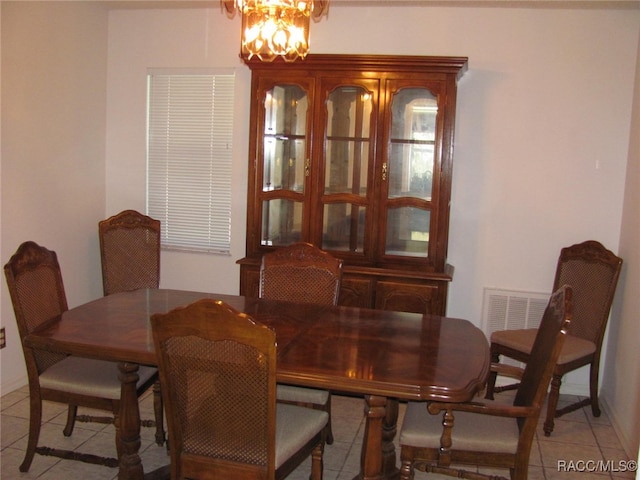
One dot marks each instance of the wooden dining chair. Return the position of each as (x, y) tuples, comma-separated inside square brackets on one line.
[(302, 273), (593, 272), (129, 252), (218, 371), (489, 433), (37, 293), (130, 259)]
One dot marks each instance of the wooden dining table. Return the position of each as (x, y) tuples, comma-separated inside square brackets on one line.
[(384, 356)]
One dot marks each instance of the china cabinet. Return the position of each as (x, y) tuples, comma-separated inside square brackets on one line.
[(353, 153)]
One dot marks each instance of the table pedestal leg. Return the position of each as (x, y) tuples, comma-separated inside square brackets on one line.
[(128, 424), (378, 457), (389, 429)]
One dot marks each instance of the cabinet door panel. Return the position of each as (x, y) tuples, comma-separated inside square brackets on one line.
[(408, 297), (279, 173), (250, 281), (345, 172), (411, 169), (356, 292)]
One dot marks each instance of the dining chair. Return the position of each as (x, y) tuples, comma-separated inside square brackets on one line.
[(490, 433), (130, 259), (303, 273), (37, 293), (129, 252), (593, 272), (218, 371)]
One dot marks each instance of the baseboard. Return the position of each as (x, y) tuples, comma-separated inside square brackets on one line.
[(14, 384)]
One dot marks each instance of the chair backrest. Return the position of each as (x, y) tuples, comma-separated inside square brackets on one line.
[(544, 353), (37, 294), (218, 374), (592, 271), (129, 251), (301, 272)]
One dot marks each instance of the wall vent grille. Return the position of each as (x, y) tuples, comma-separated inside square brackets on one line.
[(510, 310)]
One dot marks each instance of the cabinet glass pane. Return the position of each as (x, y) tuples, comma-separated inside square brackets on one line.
[(281, 222), (347, 143), (408, 231), (284, 139), (343, 227), (412, 143), (409, 174), (283, 164)]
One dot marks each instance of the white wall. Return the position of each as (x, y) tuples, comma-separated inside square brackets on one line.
[(621, 379), (53, 141), (541, 143), (542, 139), (188, 38)]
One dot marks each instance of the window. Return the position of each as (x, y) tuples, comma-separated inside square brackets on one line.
[(189, 152)]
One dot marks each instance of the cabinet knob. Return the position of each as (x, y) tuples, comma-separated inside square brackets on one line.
[(384, 172)]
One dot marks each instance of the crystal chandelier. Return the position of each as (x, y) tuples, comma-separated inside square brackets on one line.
[(275, 28)]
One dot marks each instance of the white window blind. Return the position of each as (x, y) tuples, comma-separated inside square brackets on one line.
[(189, 151)]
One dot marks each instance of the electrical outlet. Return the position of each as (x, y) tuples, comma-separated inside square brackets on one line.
[(3, 338)]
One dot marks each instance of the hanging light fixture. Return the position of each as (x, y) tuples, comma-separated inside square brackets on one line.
[(275, 28)]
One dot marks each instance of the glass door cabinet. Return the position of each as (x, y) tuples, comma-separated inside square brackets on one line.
[(353, 153)]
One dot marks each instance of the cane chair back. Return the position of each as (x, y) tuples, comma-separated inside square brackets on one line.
[(37, 294), (129, 251), (593, 273), (218, 370), (490, 433), (301, 272)]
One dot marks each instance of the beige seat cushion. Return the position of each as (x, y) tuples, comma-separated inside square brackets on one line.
[(86, 376), (471, 431), (522, 341), (295, 426), (301, 394)]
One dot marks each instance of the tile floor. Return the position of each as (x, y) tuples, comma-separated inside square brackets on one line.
[(577, 436)]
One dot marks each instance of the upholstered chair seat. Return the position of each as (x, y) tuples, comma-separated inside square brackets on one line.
[(471, 431), (522, 340), (86, 376)]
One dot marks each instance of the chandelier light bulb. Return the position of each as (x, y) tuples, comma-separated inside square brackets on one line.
[(272, 28)]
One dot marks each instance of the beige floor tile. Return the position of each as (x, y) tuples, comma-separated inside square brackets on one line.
[(555, 474), (555, 454), (606, 437), (12, 430), (12, 459), (622, 467), (577, 436), (603, 419), (569, 432)]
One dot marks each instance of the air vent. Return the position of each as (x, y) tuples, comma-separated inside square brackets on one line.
[(510, 310)]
